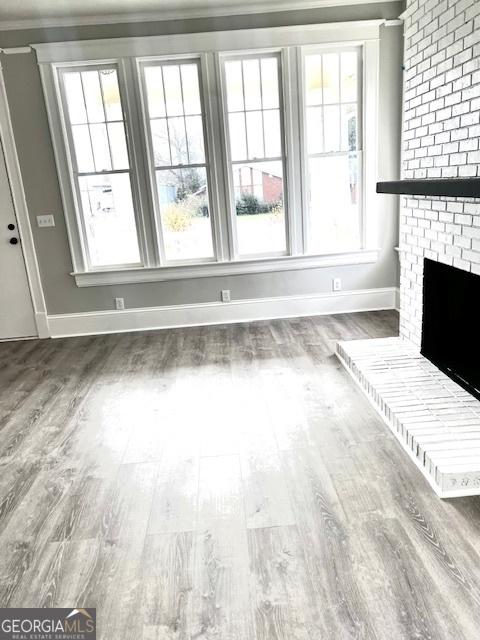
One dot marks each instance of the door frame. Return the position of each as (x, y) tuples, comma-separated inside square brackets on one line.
[(21, 213)]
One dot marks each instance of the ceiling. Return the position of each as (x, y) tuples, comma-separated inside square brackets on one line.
[(15, 14)]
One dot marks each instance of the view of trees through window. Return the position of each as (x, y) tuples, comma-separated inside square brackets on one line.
[(256, 150), (176, 124), (250, 149)]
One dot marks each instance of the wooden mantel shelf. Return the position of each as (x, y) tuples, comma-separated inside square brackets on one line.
[(453, 187)]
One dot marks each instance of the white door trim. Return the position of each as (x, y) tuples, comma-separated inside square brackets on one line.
[(21, 212)]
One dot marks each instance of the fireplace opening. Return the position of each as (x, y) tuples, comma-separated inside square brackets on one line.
[(451, 323)]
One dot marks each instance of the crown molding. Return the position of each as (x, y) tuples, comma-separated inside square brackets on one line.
[(182, 14)]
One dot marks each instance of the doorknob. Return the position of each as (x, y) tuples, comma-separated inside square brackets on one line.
[(13, 240)]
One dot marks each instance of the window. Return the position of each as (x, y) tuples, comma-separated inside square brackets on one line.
[(256, 153), (333, 134), (181, 182), (101, 165), (232, 159)]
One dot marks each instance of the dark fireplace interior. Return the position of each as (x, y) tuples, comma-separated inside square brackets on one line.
[(451, 323)]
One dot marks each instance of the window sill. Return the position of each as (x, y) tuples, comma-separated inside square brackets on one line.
[(212, 269)]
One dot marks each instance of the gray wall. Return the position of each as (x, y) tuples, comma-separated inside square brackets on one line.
[(37, 163)]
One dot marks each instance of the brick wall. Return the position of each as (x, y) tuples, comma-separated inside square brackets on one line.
[(441, 139)]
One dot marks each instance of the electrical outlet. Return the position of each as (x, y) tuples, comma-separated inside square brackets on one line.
[(119, 304), (225, 295), (46, 220), (336, 284)]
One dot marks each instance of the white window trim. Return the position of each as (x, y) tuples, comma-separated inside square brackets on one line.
[(200, 61), (208, 47), (210, 269), (305, 156), (223, 57)]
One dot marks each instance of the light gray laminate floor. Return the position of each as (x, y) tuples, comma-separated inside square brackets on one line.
[(223, 483)]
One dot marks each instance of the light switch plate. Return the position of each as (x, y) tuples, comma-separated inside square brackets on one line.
[(46, 221)]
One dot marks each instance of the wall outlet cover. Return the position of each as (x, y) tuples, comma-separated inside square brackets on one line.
[(119, 304), (46, 220), (337, 284), (225, 293)]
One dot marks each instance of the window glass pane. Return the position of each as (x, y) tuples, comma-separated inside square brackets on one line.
[(238, 143), (251, 80), (93, 96), (183, 201), (233, 75), (118, 145), (173, 90), (178, 140), (255, 134), (259, 207), (161, 146), (101, 151), (349, 71), (270, 92), (334, 212), (313, 79), (273, 136), (332, 128), (196, 153), (331, 78), (155, 97), (191, 91), (111, 94), (314, 130), (349, 127), (74, 94), (83, 148), (109, 219)]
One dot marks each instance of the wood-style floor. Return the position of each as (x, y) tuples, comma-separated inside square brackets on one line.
[(223, 483)]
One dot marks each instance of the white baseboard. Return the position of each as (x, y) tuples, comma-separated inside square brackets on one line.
[(98, 322), (397, 299), (41, 320)]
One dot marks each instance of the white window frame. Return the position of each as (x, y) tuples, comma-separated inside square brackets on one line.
[(75, 174), (141, 63), (322, 49), (222, 58), (128, 54)]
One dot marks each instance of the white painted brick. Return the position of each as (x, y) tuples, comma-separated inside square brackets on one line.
[(441, 139), (472, 256), (463, 219), (461, 241), (468, 171)]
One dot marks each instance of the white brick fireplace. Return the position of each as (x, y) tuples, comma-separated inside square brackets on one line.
[(436, 421), (441, 139)]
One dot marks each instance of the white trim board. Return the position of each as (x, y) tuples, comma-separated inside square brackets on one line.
[(204, 42), (209, 313), (214, 269), (21, 212), (178, 14)]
